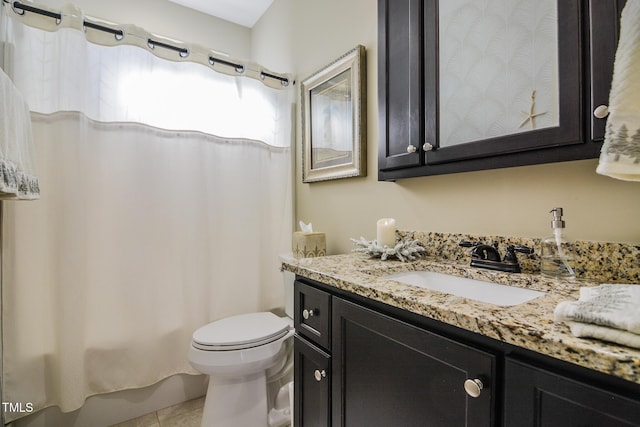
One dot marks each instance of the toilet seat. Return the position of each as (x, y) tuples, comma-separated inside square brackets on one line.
[(240, 332)]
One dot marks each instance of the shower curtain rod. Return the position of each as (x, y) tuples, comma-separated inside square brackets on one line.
[(119, 35)]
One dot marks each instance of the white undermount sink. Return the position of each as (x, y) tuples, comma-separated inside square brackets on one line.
[(478, 290)]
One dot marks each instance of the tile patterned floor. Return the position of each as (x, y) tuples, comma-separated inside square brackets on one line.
[(187, 414)]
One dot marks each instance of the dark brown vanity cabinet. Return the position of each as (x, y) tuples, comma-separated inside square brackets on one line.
[(381, 371), (359, 363), (416, 137), (537, 397)]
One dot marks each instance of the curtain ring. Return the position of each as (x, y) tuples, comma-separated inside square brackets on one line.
[(151, 44), (239, 69), (117, 33), (184, 53), (13, 6)]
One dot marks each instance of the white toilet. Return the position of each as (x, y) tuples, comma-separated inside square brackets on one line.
[(236, 353)]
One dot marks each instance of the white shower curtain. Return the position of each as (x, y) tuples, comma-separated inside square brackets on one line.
[(142, 234)]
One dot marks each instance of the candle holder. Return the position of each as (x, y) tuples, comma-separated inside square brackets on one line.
[(406, 249)]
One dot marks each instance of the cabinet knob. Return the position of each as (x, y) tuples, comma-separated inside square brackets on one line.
[(601, 111), (473, 387), (307, 313), (427, 146), (411, 149), (319, 375)]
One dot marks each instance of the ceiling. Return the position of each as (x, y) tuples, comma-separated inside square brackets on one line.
[(241, 12)]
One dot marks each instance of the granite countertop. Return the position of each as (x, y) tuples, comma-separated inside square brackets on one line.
[(529, 325)]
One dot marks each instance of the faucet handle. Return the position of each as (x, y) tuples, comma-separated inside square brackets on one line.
[(482, 251), (510, 256), (523, 249)]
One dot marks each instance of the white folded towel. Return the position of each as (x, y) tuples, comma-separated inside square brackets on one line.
[(620, 154), (613, 306), (586, 330), (606, 312), (18, 179)]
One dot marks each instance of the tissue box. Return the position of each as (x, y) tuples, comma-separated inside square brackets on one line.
[(308, 245)]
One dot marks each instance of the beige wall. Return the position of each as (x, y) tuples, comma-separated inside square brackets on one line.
[(511, 201), (168, 19)]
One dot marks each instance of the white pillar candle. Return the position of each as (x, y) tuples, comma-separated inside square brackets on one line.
[(386, 232)]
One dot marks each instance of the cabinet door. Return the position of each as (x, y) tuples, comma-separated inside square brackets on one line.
[(399, 83), (536, 397), (387, 373), (604, 19), (311, 385), (489, 126), (429, 92)]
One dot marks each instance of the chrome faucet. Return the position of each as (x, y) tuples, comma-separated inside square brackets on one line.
[(488, 256)]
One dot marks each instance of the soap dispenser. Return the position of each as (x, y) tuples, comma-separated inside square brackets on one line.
[(557, 253)]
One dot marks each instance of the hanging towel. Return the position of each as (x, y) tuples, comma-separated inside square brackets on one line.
[(620, 154), (609, 312), (17, 171)]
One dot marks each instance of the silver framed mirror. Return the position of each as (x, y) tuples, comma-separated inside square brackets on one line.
[(333, 102)]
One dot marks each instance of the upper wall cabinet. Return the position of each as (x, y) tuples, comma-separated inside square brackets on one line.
[(477, 84)]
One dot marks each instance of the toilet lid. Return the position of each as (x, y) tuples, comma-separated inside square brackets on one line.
[(238, 332)]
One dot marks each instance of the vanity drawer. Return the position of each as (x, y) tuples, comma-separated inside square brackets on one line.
[(312, 314)]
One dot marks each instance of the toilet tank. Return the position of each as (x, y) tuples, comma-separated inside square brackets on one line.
[(288, 278)]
